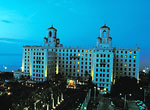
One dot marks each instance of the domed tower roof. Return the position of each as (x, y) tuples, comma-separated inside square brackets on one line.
[(105, 27), (45, 38), (52, 28)]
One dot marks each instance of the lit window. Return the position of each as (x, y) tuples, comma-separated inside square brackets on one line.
[(78, 62), (125, 56), (86, 50), (77, 70), (125, 65), (130, 52), (74, 62), (78, 54), (134, 56), (82, 54)]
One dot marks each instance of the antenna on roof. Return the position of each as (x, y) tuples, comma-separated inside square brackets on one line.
[(104, 22)]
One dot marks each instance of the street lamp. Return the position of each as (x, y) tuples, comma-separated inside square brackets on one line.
[(141, 88), (5, 68), (130, 94)]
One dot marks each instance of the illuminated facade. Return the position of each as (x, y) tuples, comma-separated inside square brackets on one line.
[(104, 63)]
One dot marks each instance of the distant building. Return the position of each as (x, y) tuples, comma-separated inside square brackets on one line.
[(18, 74), (103, 62)]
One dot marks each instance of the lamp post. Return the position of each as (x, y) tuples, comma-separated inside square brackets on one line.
[(125, 102), (143, 93), (125, 99), (94, 92)]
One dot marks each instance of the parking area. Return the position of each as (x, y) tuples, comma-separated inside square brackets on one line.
[(132, 105), (136, 105)]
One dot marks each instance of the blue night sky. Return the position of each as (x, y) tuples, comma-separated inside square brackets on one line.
[(25, 22)]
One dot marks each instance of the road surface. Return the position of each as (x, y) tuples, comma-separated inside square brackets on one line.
[(104, 104)]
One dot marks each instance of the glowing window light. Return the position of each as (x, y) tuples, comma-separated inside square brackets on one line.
[(134, 56), (77, 70), (78, 62), (125, 56), (71, 82), (125, 65), (130, 52), (78, 54), (82, 54), (86, 50)]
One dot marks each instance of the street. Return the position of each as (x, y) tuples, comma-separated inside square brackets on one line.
[(104, 104)]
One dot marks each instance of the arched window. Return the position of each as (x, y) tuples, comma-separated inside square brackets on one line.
[(50, 33), (104, 33)]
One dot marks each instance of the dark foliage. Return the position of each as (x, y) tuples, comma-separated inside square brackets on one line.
[(125, 85)]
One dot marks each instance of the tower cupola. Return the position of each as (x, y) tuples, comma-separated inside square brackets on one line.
[(104, 41)]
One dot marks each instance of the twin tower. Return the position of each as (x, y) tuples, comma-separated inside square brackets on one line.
[(52, 40), (104, 41)]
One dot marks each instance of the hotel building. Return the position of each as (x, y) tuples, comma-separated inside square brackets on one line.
[(103, 62)]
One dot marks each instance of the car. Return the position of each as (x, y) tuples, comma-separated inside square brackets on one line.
[(137, 101), (142, 108), (111, 103), (140, 103), (143, 105)]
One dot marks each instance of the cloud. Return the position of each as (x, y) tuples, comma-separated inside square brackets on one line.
[(6, 21), (66, 4), (17, 41), (8, 42)]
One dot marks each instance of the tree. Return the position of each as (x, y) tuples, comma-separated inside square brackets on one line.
[(124, 85), (86, 73)]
